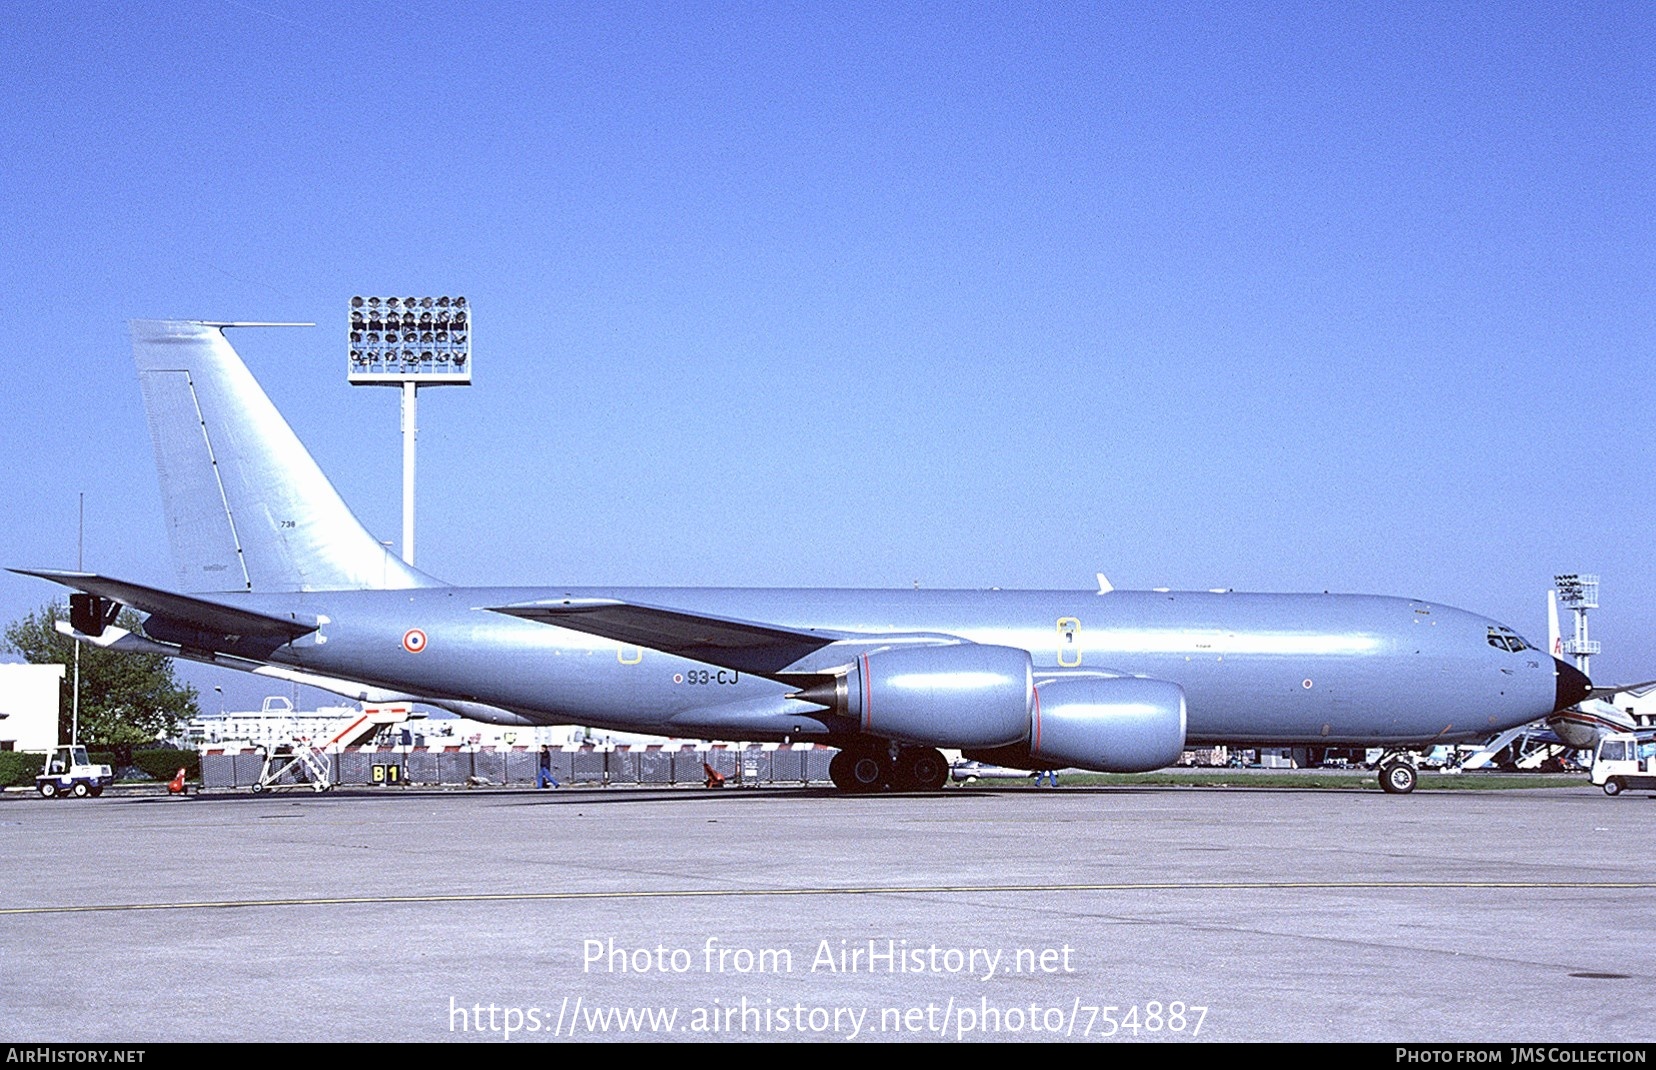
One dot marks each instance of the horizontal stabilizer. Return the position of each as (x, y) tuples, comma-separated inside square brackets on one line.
[(1609, 691), (184, 609), (761, 649)]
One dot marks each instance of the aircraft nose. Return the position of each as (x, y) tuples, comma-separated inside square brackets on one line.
[(1573, 685)]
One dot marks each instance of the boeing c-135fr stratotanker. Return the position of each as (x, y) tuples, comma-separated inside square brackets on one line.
[(276, 576)]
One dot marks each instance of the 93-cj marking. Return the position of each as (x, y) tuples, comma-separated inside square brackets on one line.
[(707, 676)]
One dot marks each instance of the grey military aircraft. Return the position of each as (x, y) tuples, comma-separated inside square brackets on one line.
[(276, 576)]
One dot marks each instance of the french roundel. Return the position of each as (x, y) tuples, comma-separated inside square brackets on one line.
[(414, 640)]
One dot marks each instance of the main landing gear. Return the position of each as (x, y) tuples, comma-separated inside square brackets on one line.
[(871, 767)]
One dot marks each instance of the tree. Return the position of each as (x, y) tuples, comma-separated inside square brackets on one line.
[(126, 699)]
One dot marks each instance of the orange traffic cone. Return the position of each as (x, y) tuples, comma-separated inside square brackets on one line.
[(175, 786)]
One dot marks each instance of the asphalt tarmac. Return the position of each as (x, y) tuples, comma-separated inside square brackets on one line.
[(996, 913)]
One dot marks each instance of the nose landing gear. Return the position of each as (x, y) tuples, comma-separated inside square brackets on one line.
[(1398, 775)]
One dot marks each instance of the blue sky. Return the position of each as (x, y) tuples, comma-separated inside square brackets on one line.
[(1275, 297)]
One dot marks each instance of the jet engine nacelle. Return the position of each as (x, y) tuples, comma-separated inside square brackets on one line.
[(1122, 725), (962, 695)]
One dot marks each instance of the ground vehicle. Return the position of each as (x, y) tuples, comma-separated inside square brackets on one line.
[(68, 771), (1623, 761)]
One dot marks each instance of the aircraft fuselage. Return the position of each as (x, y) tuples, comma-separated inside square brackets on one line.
[(1281, 669)]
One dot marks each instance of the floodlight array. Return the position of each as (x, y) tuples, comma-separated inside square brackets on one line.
[(403, 339), (1577, 590)]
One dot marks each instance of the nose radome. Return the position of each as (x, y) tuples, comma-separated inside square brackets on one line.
[(1573, 685)]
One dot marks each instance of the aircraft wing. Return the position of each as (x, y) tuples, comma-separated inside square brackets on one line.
[(746, 646), (196, 612)]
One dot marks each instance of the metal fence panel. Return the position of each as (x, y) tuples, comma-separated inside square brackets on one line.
[(355, 767), (588, 767), (622, 766), (788, 766), (218, 770), (522, 767), (422, 767), (655, 767), (816, 765), (453, 767), (724, 760), (753, 765), (490, 765)]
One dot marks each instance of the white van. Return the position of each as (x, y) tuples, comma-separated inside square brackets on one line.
[(1623, 762)]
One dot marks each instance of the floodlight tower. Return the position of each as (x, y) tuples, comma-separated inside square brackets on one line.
[(410, 342), (1579, 591)]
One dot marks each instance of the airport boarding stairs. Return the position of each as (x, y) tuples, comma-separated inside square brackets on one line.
[(1481, 758), (305, 763), (1536, 744)]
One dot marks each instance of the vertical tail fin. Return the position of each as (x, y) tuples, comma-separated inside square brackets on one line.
[(247, 507), (1555, 640)]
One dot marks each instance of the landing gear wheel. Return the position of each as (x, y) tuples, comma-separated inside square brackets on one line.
[(868, 772), (1397, 778), (859, 771), (47, 789), (839, 770), (1613, 786), (920, 769), (257, 788), (81, 789)]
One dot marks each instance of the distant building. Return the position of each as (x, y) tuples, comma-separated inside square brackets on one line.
[(278, 723), (29, 706), (1641, 704)]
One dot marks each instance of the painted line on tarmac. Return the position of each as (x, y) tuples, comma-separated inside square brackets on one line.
[(910, 889)]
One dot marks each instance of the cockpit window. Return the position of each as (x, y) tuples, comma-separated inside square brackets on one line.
[(1504, 638)]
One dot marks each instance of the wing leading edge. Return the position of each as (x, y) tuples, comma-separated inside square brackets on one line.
[(746, 646)]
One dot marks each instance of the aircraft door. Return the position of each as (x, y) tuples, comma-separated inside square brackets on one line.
[(1069, 642)]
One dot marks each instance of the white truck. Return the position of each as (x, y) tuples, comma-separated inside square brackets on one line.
[(68, 771), (1622, 762)]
